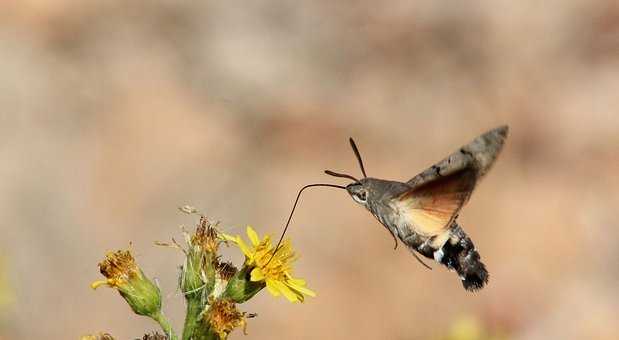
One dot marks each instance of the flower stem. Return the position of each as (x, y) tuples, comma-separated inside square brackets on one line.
[(165, 325), (192, 318)]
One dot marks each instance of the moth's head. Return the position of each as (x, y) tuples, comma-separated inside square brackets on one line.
[(359, 189)]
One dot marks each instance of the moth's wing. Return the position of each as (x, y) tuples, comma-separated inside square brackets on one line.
[(477, 156), (430, 208)]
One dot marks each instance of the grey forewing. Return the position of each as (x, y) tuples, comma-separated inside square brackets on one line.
[(478, 155)]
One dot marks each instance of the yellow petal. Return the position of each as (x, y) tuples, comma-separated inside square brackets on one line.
[(253, 236), (267, 242), (296, 281), (98, 284), (288, 293), (257, 275), (244, 248), (272, 288), (228, 237), (301, 289)]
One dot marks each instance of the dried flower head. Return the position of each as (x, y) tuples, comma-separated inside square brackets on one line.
[(154, 336), (226, 270), (206, 236), (223, 317), (118, 267), (123, 274)]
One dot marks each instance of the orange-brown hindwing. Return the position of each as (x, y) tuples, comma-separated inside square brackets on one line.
[(430, 208)]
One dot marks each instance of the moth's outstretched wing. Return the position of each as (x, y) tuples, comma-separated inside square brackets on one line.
[(431, 207), (477, 156), (438, 193)]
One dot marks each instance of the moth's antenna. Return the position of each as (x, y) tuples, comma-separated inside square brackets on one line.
[(337, 174), (296, 201), (356, 151)]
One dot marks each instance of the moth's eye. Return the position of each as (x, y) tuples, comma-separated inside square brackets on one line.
[(360, 196)]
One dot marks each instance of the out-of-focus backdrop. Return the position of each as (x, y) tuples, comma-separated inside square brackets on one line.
[(113, 113)]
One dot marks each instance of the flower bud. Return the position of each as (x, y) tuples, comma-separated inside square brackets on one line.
[(122, 273), (198, 276)]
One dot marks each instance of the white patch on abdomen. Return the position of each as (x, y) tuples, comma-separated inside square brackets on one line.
[(438, 255)]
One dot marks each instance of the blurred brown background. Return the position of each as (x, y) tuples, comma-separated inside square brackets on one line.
[(114, 113)]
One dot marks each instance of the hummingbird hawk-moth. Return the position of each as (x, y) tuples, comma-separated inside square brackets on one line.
[(422, 212)]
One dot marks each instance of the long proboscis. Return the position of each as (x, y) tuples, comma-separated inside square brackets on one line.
[(296, 201)]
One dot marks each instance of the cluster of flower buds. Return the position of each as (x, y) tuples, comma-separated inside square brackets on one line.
[(212, 288)]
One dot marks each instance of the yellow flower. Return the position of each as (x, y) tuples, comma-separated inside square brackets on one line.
[(273, 268), (123, 273)]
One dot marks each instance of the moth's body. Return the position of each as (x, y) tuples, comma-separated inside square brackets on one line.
[(384, 205), (422, 212)]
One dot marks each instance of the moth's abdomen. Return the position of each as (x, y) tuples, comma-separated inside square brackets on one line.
[(459, 254), (455, 250)]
